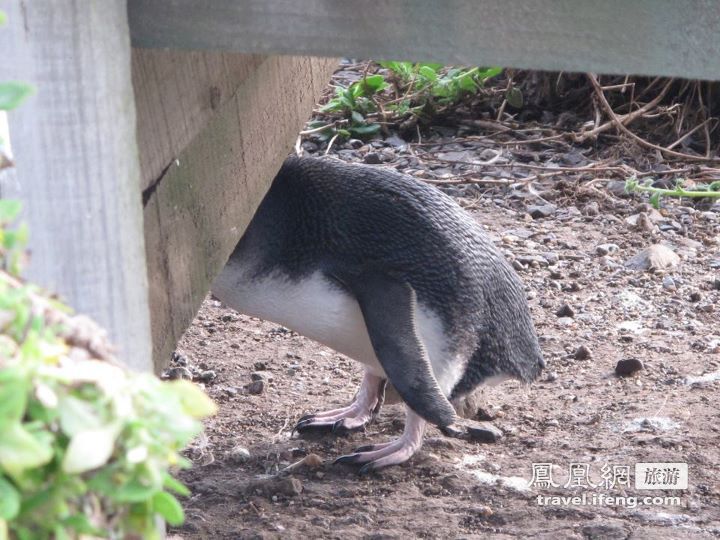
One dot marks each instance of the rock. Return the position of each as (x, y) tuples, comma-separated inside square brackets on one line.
[(604, 531), (484, 432), (591, 209), (551, 257), (669, 283), (179, 372), (541, 211), (695, 296), (617, 188), (582, 353), (565, 311), (653, 258), (606, 249), (372, 158), (272, 486), (178, 359), (628, 366), (238, 454), (470, 430), (261, 376), (256, 387), (355, 143), (397, 142), (260, 366), (207, 376), (532, 260)]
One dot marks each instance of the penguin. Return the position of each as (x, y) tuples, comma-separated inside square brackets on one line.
[(392, 273)]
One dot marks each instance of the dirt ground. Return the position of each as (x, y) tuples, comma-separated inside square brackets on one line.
[(590, 311)]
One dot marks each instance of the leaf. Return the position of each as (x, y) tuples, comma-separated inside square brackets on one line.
[(175, 485), (169, 508), (514, 97), (357, 117), (373, 84), (655, 200), (488, 73), (9, 210), (361, 131), (77, 415), (467, 83), (89, 449), (134, 491), (20, 449), (3, 18), (9, 500), (428, 73), (13, 93), (14, 389), (195, 402)]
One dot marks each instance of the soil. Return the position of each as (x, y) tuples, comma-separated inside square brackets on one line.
[(590, 311)]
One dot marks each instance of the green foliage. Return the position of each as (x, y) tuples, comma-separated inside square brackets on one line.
[(423, 85), (13, 93), (354, 102), (711, 190), (85, 445)]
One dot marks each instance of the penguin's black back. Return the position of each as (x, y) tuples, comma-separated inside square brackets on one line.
[(321, 214)]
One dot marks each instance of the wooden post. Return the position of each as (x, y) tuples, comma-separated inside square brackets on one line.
[(78, 171)]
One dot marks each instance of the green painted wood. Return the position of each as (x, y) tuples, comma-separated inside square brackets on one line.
[(652, 37)]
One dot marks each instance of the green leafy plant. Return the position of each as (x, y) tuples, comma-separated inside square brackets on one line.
[(711, 190), (85, 445), (355, 102), (426, 81)]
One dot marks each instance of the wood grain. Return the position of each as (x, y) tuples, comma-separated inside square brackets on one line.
[(78, 172), (653, 37), (206, 197)]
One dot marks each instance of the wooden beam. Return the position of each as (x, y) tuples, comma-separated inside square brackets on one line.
[(78, 172), (198, 207), (651, 37)]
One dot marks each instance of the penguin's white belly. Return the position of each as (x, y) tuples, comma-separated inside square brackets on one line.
[(319, 310)]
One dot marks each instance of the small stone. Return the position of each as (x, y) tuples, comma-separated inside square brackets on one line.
[(604, 531), (290, 487), (695, 296), (207, 376), (484, 432), (372, 158), (591, 209), (565, 311), (606, 249), (653, 258), (239, 454), (551, 377), (355, 143), (582, 353), (628, 366), (669, 283), (178, 359), (179, 372), (261, 376), (260, 366), (256, 387), (541, 210), (552, 258), (517, 265)]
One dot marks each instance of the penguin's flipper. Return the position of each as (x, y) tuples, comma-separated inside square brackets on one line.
[(388, 307)]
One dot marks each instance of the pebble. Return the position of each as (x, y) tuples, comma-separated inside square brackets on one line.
[(179, 372), (582, 353), (207, 376), (695, 296), (256, 387), (261, 376), (260, 366), (606, 249), (484, 432), (628, 366), (653, 258), (591, 209), (552, 258), (669, 283), (604, 531), (565, 311), (372, 158), (179, 359), (541, 210), (239, 454)]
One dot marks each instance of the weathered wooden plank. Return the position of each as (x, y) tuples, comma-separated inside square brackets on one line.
[(200, 206), (654, 37), (176, 94), (77, 165)]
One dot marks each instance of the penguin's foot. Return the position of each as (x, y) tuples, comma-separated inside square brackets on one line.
[(355, 416), (377, 456)]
